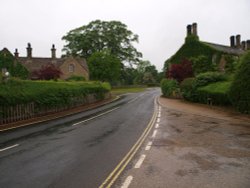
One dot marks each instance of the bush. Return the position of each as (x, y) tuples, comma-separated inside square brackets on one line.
[(187, 89), (169, 88), (240, 89), (206, 78), (215, 93), (180, 71), (76, 78)]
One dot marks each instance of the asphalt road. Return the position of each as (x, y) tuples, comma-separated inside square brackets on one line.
[(72, 152)]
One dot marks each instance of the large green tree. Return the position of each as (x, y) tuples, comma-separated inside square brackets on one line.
[(101, 35), (104, 66)]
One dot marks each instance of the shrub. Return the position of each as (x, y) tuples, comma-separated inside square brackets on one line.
[(76, 78), (206, 78), (215, 93), (240, 89), (47, 72), (187, 89), (180, 71), (169, 88)]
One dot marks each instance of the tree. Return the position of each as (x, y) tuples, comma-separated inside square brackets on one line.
[(104, 66), (101, 35), (180, 71), (47, 72), (8, 61)]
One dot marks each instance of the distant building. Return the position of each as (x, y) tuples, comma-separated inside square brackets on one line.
[(69, 66)]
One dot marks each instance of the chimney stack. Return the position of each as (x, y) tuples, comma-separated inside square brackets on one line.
[(243, 45), (232, 41), (194, 29), (238, 42), (53, 52), (29, 51), (16, 53), (189, 30), (248, 45)]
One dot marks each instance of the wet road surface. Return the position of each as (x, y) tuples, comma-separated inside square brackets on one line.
[(73, 152)]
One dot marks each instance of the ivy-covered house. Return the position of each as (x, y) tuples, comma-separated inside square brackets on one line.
[(217, 55)]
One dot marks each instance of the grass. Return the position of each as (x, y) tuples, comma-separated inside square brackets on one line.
[(123, 90)]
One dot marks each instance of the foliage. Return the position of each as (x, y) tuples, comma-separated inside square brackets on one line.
[(215, 93), (231, 64), (101, 35), (146, 73), (206, 78), (16, 69), (128, 74), (180, 71), (76, 78), (188, 89), (49, 93), (202, 64), (240, 90), (192, 48), (169, 87), (104, 66), (47, 72)]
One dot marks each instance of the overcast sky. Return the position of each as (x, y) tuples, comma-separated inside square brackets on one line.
[(160, 24)]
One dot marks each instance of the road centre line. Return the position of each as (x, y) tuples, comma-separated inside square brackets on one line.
[(158, 120), (136, 98), (9, 147), (140, 161), (148, 146), (108, 182), (127, 182), (154, 133), (96, 116), (157, 125)]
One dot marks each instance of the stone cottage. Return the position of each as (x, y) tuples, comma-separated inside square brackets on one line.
[(69, 66)]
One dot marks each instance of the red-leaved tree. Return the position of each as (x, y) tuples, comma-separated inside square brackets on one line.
[(180, 71), (47, 72)]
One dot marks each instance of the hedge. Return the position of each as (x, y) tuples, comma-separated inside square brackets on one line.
[(240, 90), (215, 93), (169, 88), (49, 93)]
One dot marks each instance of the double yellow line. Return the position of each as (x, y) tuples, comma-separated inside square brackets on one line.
[(124, 162)]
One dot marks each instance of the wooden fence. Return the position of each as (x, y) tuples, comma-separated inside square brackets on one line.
[(9, 114)]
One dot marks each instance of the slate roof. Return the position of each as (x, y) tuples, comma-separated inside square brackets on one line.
[(226, 49), (36, 63)]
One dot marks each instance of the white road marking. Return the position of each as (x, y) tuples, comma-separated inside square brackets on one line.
[(96, 116), (159, 115), (140, 161), (157, 125), (148, 146), (154, 133), (136, 98), (127, 182), (158, 120), (9, 147)]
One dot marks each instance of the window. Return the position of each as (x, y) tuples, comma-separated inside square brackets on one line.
[(71, 68)]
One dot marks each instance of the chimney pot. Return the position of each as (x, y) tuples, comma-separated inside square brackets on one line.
[(53, 52), (16, 53), (29, 51), (243, 45), (248, 45), (232, 41), (189, 30), (194, 29), (238, 42)]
